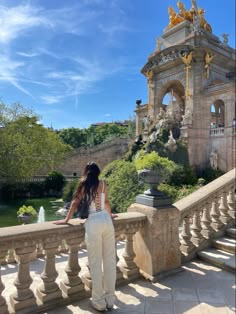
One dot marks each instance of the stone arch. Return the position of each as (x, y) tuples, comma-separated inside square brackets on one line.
[(177, 89), (217, 111)]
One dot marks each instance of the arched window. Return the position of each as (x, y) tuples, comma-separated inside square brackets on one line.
[(218, 114)]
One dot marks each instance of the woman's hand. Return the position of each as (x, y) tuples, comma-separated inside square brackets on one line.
[(60, 222), (114, 215)]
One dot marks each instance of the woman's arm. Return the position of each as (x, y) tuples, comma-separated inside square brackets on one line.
[(73, 207)]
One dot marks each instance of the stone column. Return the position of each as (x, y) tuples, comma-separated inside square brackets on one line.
[(49, 289), (24, 296), (157, 245), (3, 305), (127, 265), (73, 283)]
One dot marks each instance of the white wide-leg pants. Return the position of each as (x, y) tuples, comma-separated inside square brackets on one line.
[(100, 241)]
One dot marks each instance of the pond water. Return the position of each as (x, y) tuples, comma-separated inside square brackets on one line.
[(8, 210)]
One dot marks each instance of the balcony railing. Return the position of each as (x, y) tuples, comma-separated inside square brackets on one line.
[(217, 131)]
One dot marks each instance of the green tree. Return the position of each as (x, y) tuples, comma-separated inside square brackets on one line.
[(26, 147), (74, 137)]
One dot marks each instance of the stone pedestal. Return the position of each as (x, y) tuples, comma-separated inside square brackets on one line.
[(157, 246)]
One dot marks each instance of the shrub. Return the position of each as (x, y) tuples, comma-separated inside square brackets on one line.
[(177, 192), (55, 181), (68, 190), (27, 210), (210, 174), (152, 161), (123, 186), (183, 176)]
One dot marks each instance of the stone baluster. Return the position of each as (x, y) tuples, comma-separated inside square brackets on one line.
[(223, 208), (73, 283), (119, 274), (3, 305), (231, 203), (215, 214), (186, 244), (39, 250), (24, 296), (11, 257), (207, 229), (86, 277), (49, 289), (127, 265), (196, 227), (63, 247)]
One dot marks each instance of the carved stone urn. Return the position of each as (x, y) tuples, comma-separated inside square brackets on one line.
[(152, 196), (152, 178)]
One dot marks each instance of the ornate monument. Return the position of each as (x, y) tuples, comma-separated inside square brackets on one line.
[(197, 69)]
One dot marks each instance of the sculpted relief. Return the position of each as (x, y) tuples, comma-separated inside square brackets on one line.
[(195, 16)]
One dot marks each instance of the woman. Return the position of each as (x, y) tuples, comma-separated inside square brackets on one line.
[(99, 236)]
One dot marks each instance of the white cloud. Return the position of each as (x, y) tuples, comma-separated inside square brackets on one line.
[(27, 55), (58, 70), (14, 21)]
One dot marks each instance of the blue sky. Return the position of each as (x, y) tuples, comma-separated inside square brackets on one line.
[(77, 62)]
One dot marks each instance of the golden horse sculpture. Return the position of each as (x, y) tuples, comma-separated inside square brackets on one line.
[(174, 18), (203, 23), (185, 14)]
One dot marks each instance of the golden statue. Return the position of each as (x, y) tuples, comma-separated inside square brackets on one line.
[(183, 12), (208, 58), (203, 22), (149, 75), (187, 58), (174, 18), (193, 11)]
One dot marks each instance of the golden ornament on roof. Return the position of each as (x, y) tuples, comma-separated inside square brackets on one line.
[(192, 15)]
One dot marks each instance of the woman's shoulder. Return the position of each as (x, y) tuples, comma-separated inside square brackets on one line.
[(102, 185)]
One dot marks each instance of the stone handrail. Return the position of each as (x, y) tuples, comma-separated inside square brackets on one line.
[(26, 239), (206, 213)]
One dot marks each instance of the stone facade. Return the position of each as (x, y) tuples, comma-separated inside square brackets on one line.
[(102, 154), (199, 70)]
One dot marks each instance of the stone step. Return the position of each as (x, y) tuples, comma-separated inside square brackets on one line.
[(219, 258), (225, 244), (231, 232)]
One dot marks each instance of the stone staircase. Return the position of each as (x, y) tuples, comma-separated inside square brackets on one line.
[(223, 251)]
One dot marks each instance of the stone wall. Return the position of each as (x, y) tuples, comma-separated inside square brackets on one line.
[(102, 154)]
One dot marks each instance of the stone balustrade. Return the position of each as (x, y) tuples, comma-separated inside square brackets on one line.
[(157, 240), (217, 131), (53, 287), (206, 213)]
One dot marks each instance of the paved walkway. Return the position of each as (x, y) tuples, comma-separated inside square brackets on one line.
[(199, 289)]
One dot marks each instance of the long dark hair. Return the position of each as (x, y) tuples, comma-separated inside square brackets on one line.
[(89, 182)]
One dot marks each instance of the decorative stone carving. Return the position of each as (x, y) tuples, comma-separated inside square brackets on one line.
[(225, 39), (146, 121), (159, 44), (171, 144), (187, 59), (187, 118), (214, 159), (208, 59)]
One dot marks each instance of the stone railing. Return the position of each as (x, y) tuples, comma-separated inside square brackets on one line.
[(48, 290), (217, 131), (206, 213)]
